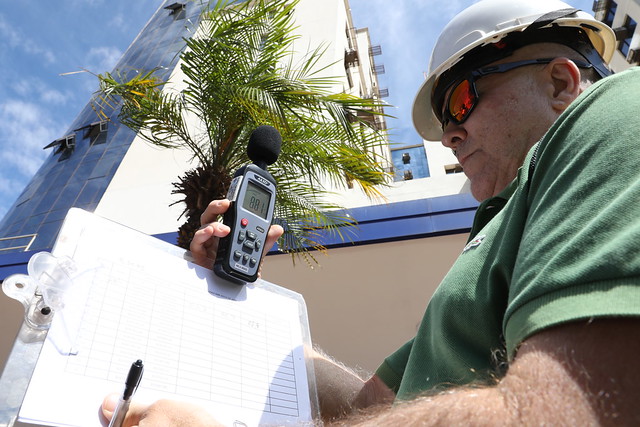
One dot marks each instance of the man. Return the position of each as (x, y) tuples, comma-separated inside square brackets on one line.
[(537, 321)]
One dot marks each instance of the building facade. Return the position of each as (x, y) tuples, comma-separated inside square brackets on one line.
[(85, 159), (623, 16)]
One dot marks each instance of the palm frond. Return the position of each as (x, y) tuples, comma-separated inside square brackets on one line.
[(239, 74)]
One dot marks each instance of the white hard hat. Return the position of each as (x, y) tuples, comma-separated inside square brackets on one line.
[(488, 22)]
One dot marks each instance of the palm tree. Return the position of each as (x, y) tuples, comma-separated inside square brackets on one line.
[(239, 75)]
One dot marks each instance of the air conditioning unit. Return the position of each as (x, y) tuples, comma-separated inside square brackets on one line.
[(350, 58), (93, 130), (69, 142), (175, 8), (633, 57)]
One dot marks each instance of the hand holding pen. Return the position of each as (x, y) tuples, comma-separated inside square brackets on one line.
[(163, 412), (130, 386)]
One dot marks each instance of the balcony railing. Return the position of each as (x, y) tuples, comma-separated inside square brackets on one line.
[(16, 244)]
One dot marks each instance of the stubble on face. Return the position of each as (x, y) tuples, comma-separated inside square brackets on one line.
[(500, 131)]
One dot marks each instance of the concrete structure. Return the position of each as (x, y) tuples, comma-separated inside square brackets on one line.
[(623, 16), (382, 280)]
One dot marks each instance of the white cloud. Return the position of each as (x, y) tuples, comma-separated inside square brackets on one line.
[(6, 185), (17, 40), (53, 96), (9, 190), (118, 22), (24, 131), (10, 35), (33, 87), (103, 58)]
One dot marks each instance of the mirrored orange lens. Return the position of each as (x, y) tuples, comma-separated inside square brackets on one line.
[(461, 101)]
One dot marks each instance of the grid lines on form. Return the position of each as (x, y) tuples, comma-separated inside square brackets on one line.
[(128, 318), (192, 343), (244, 343)]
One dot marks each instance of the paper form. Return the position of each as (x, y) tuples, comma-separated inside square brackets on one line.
[(235, 350)]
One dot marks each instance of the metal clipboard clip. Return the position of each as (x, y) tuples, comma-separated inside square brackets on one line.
[(42, 293)]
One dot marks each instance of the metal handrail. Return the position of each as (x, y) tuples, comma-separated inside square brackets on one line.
[(24, 247)]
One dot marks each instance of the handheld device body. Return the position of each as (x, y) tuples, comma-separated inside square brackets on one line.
[(252, 195)]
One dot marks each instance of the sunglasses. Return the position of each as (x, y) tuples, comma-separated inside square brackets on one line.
[(463, 94)]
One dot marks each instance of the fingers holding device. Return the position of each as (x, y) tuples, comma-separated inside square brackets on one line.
[(250, 211)]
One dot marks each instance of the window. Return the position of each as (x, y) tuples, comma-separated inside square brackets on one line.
[(610, 13), (349, 40), (350, 58), (625, 44), (64, 145), (410, 162), (178, 10), (96, 132)]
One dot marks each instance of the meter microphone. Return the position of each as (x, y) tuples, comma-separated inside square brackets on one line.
[(252, 194)]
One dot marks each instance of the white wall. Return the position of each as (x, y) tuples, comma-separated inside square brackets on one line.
[(139, 194), (625, 8), (366, 301)]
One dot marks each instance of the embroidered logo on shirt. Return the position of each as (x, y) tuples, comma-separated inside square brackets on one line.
[(474, 243)]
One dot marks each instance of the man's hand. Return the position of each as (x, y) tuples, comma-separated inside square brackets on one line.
[(162, 413), (204, 245)]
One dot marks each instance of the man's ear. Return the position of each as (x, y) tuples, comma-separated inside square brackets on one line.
[(565, 87)]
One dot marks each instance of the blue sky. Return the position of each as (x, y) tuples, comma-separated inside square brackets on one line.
[(40, 41)]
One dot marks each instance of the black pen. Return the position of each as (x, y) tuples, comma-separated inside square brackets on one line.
[(130, 386)]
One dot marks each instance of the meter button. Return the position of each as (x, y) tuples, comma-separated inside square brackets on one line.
[(244, 222), (251, 235)]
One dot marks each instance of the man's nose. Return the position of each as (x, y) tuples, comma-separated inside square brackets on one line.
[(453, 135)]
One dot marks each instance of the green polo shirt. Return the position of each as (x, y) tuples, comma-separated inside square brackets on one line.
[(564, 247)]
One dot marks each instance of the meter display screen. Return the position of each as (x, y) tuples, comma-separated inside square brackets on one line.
[(256, 200)]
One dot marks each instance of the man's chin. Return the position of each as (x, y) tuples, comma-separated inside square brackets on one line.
[(480, 192)]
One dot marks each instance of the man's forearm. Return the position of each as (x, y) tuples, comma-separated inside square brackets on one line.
[(341, 391), (511, 402), (468, 407), (337, 387), (574, 374)]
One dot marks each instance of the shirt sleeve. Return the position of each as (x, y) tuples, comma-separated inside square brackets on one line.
[(393, 367), (578, 257)]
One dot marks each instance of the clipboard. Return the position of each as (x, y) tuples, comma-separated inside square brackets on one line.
[(238, 351)]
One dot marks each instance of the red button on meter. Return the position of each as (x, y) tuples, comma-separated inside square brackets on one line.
[(244, 222)]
